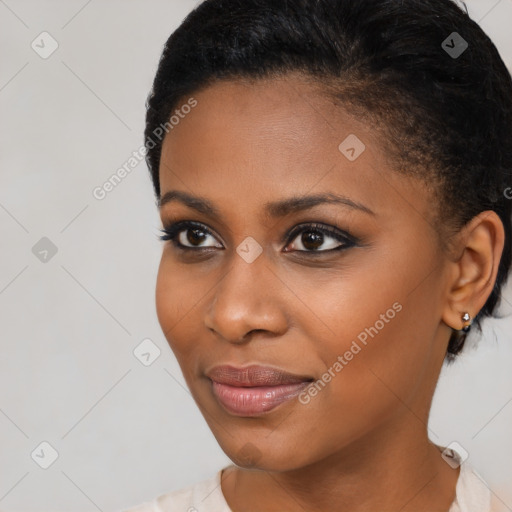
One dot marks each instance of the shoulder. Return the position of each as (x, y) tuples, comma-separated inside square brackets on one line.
[(198, 497), (472, 492)]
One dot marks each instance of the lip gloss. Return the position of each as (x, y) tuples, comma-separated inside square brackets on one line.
[(252, 401)]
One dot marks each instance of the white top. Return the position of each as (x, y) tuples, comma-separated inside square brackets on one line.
[(472, 495)]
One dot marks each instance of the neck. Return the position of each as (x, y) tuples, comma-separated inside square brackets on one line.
[(394, 468)]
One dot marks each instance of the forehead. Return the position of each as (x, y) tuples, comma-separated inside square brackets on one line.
[(250, 141), (284, 113)]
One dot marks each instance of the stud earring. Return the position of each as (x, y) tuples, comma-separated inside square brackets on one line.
[(466, 318)]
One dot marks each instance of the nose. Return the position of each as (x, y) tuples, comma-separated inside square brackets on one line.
[(248, 298)]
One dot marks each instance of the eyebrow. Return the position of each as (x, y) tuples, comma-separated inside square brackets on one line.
[(274, 209)]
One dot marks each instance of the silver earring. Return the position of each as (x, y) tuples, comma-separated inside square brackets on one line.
[(466, 318)]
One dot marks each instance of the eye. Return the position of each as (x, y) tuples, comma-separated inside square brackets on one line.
[(313, 236), (188, 235)]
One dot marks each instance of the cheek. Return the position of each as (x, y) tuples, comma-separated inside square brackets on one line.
[(384, 361), (180, 296), (166, 301), (174, 297), (381, 322)]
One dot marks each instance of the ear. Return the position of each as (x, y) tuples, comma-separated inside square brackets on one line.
[(473, 273)]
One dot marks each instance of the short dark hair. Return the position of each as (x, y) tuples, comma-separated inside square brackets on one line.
[(447, 117)]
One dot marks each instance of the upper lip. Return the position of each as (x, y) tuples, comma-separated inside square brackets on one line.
[(255, 375)]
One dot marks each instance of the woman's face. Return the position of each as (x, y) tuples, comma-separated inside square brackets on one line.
[(360, 317)]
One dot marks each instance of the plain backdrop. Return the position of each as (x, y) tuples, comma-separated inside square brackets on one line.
[(77, 276)]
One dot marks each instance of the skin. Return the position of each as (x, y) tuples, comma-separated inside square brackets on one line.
[(362, 443)]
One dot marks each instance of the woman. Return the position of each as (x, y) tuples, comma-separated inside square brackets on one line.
[(332, 182)]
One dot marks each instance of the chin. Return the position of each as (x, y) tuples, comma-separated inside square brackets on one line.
[(260, 453)]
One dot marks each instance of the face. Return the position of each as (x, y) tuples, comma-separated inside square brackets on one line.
[(345, 288)]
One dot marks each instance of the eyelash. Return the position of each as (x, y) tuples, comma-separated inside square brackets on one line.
[(171, 232)]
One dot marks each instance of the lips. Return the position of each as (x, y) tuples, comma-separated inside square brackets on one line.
[(254, 390)]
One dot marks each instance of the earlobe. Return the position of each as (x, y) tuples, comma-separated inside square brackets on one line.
[(474, 273)]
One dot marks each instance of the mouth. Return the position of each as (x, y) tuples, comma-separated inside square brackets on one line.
[(254, 390)]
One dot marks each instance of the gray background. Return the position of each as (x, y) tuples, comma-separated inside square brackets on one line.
[(126, 432)]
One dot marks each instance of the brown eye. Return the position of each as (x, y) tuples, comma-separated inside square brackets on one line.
[(189, 235), (311, 238), (194, 235)]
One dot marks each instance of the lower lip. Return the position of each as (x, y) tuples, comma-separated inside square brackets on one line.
[(252, 401)]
